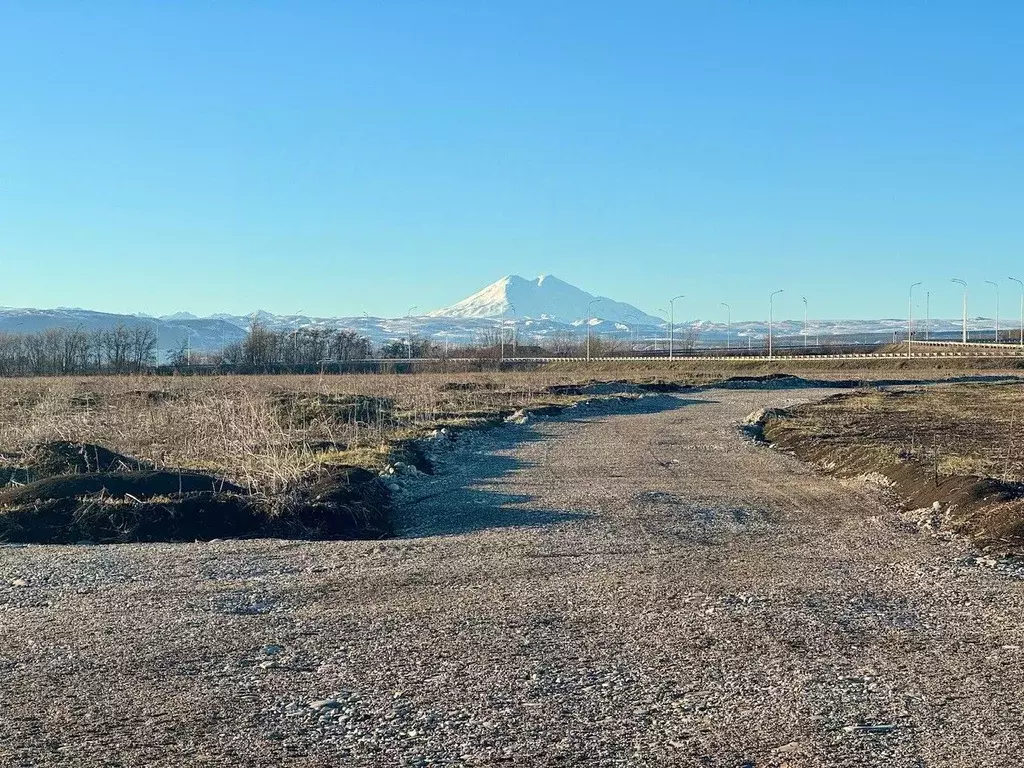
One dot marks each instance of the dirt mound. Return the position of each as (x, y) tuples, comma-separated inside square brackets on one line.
[(88, 493), (61, 458), (70, 520), (345, 503), (989, 510), (297, 409), (138, 485)]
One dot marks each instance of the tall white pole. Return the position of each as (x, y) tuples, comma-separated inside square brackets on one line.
[(910, 318), (805, 320), (996, 286), (672, 324), (408, 330), (958, 281), (928, 316), (514, 318), (657, 340), (728, 325), (590, 316), (1021, 284), (771, 319), (501, 334)]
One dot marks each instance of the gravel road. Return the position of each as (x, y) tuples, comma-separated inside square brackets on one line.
[(629, 584)]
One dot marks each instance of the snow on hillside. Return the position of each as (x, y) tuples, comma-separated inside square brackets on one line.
[(205, 334), (546, 298)]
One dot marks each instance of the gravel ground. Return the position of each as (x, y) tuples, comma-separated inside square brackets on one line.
[(627, 584)]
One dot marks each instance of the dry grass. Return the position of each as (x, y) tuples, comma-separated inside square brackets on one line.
[(959, 429), (263, 432)]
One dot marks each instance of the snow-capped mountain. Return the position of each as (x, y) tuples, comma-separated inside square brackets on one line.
[(542, 311), (546, 298)]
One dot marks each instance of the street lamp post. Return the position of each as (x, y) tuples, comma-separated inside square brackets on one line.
[(1018, 282), (657, 339), (805, 320), (995, 285), (958, 281), (408, 329), (672, 324), (514, 324), (910, 317), (634, 331), (928, 316), (771, 318), (728, 324), (589, 318), (501, 333)]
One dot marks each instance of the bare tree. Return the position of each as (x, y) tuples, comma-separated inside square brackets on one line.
[(141, 347), (691, 337)]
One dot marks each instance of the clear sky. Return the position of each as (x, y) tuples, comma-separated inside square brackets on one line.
[(336, 157)]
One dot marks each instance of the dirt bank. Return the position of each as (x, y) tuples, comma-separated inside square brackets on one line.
[(949, 452), (70, 493)]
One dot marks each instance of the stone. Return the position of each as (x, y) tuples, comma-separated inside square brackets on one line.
[(325, 704)]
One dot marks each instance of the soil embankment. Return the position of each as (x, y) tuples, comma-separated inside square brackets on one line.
[(63, 493), (958, 465)]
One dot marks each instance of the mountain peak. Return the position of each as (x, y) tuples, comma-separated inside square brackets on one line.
[(544, 297)]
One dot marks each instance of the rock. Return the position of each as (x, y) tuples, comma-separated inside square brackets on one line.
[(325, 704), (519, 417), (273, 649)]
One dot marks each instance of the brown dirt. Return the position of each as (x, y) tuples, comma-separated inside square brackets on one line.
[(955, 446)]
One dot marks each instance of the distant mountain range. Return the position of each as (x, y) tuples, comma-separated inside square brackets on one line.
[(544, 307)]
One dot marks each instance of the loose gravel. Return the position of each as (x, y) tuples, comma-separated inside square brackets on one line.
[(632, 583)]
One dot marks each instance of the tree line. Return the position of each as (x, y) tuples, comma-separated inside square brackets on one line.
[(133, 349), (264, 348), (56, 351)]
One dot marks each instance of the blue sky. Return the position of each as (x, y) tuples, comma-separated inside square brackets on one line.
[(336, 158)]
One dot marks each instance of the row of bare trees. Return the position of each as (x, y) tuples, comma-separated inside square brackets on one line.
[(132, 349), (265, 348), (122, 349)]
